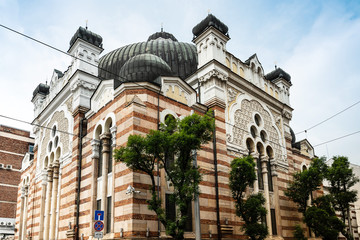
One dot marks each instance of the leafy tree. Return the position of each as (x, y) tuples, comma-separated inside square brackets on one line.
[(305, 182), (299, 233), (342, 178), (251, 210), (172, 146), (322, 219), (321, 216)]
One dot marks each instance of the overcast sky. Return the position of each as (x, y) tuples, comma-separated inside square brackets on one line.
[(316, 42)]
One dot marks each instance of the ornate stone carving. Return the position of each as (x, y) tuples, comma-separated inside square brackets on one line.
[(287, 114), (213, 73), (95, 148), (68, 104), (232, 94), (242, 119), (83, 84), (63, 126)]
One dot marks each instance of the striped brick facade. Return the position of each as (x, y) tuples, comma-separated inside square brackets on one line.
[(86, 117)]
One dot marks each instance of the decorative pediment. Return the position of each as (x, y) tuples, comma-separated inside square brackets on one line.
[(103, 95), (306, 148), (178, 90), (254, 63)]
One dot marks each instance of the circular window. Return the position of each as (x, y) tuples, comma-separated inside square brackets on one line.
[(253, 131), (50, 146), (53, 132), (56, 142), (257, 119), (263, 136)]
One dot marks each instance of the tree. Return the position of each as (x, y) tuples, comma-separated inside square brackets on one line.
[(305, 182), (299, 233), (321, 216), (251, 210), (172, 147), (342, 178), (322, 219)]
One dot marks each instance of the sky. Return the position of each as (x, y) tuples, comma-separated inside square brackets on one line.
[(316, 42)]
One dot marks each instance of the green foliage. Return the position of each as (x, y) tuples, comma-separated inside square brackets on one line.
[(322, 219), (172, 146), (299, 233), (321, 216), (251, 210), (305, 182), (342, 178)]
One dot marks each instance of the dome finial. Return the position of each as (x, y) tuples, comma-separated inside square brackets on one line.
[(162, 27), (86, 24), (209, 11)]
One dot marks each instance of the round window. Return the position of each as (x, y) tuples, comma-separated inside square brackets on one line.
[(50, 146), (257, 119), (53, 132), (263, 136), (253, 131)]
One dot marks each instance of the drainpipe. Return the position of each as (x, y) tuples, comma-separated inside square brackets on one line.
[(157, 165), (216, 182), (79, 178)]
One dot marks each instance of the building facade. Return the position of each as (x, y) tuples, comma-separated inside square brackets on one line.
[(92, 107), (15, 146)]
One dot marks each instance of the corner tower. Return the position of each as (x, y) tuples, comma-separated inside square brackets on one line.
[(210, 37)]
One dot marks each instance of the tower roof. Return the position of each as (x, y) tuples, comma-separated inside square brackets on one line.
[(210, 21), (87, 36), (278, 73)]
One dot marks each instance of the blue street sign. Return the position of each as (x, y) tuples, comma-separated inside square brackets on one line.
[(99, 215)]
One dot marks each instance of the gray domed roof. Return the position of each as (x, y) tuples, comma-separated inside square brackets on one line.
[(180, 57), (88, 36), (278, 73), (144, 67), (41, 89), (210, 21), (162, 34)]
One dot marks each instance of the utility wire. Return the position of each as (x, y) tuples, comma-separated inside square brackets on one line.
[(61, 51), (337, 138), (328, 118)]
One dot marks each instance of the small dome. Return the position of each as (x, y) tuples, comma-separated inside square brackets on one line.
[(210, 21), (87, 36), (164, 35), (41, 89), (144, 67), (278, 73)]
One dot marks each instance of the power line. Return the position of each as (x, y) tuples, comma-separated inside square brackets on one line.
[(327, 119), (337, 138), (61, 51)]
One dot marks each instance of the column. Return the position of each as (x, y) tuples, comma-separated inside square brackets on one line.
[(42, 204), (276, 195), (95, 157), (48, 201), (264, 160), (256, 185), (54, 199), (105, 138), (24, 225), (21, 212)]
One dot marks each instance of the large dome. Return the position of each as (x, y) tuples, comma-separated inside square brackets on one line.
[(180, 57)]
